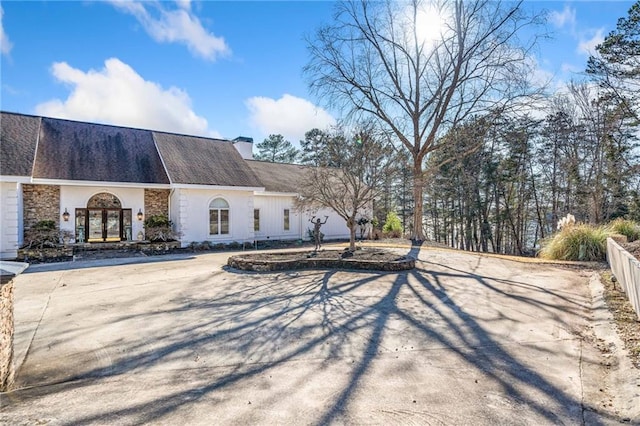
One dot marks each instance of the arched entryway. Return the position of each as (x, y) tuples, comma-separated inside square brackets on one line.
[(103, 220)]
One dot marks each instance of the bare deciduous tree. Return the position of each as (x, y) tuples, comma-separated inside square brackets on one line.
[(421, 67), (359, 166)]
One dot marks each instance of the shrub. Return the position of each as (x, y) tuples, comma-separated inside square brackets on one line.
[(42, 234), (157, 221), (578, 242), (628, 228), (158, 228), (234, 245), (392, 225), (199, 246)]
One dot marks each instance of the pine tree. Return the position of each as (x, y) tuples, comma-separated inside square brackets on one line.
[(276, 149)]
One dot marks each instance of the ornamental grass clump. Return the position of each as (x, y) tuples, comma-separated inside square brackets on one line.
[(577, 242), (628, 228)]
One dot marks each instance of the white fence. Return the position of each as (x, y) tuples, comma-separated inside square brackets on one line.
[(626, 269)]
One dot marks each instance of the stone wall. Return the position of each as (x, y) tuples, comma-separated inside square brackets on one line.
[(156, 201), (40, 202), (47, 254), (6, 336)]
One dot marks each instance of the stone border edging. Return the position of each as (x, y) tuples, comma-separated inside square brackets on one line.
[(244, 262)]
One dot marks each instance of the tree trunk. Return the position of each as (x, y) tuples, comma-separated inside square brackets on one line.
[(351, 223), (418, 186)]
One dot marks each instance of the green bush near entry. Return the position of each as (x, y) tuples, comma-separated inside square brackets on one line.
[(157, 228)]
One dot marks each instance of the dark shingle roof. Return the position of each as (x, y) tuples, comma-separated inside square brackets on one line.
[(18, 138), (278, 177), (201, 161), (74, 150)]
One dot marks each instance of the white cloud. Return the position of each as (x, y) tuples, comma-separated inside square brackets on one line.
[(118, 95), (175, 26), (5, 44), (570, 68), (289, 116), (566, 17), (588, 47), (184, 4)]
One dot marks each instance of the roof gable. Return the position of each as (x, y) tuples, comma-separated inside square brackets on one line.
[(201, 161), (18, 140)]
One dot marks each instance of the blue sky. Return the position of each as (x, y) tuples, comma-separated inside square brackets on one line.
[(212, 68)]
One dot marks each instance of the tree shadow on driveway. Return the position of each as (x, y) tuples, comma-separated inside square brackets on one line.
[(460, 326)]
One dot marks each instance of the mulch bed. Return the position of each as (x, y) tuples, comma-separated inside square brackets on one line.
[(625, 317), (633, 248)]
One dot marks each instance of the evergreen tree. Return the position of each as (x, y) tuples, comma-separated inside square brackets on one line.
[(617, 64), (313, 146), (276, 149)]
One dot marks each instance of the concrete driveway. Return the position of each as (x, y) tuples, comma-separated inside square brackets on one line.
[(462, 339)]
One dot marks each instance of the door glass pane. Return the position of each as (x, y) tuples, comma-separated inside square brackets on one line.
[(126, 223), (286, 219), (213, 222), (95, 225), (81, 215), (113, 225), (224, 221)]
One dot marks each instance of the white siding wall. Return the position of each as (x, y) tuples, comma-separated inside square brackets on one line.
[(10, 219), (272, 220), (190, 214), (335, 228), (178, 213), (72, 197)]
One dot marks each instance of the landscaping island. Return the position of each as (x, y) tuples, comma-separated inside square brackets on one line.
[(364, 259)]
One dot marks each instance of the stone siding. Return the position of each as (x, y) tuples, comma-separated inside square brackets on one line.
[(40, 202), (6, 336), (156, 201)]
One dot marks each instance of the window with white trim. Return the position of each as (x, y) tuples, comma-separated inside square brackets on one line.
[(218, 217)]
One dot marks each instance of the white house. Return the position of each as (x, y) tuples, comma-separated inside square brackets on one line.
[(99, 182)]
